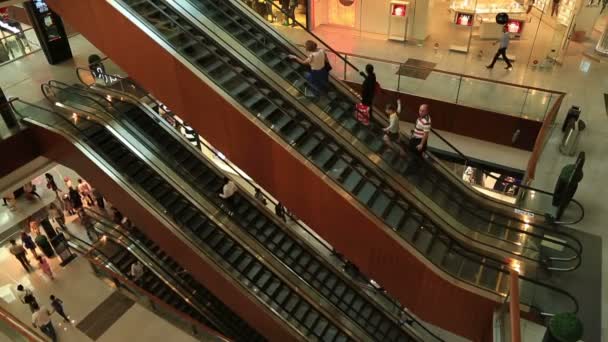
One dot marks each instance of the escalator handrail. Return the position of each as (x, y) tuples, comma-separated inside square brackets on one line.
[(99, 218), (117, 274), (576, 251), (384, 294), (188, 33)]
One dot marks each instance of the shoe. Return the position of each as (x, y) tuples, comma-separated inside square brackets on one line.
[(509, 68), (489, 66)]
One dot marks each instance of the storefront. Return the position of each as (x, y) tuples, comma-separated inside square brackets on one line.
[(540, 29), (274, 11)]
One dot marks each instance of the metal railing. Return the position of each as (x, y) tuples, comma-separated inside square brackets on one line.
[(18, 45), (102, 264)]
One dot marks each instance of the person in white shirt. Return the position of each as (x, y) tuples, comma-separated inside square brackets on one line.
[(85, 191), (319, 69), (228, 189), (41, 318), (137, 270), (391, 132)]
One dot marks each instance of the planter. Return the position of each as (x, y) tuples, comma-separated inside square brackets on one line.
[(564, 327)]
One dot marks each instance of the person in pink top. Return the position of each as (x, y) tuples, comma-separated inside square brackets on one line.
[(45, 267)]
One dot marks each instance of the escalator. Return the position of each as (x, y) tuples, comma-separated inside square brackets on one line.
[(370, 188), (253, 219), (208, 231), (485, 218), (375, 188), (167, 280), (459, 261)]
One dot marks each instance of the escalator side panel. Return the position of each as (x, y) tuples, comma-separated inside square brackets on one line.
[(282, 173), (57, 148)]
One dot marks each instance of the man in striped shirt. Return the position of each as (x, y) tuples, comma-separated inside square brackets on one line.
[(420, 135)]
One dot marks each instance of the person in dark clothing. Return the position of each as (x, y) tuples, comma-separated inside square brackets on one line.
[(28, 243), (27, 297), (368, 88), (117, 216), (19, 252), (98, 198), (57, 305), (75, 199), (279, 210)]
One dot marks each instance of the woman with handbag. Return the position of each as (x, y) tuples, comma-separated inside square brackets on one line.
[(319, 69)]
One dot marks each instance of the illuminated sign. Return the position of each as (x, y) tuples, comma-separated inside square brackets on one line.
[(514, 26), (464, 19), (398, 10)]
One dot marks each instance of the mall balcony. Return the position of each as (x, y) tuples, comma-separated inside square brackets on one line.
[(367, 250)]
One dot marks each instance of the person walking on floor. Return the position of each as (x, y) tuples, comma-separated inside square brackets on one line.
[(85, 191), (45, 266), (98, 197), (28, 243), (318, 77), (502, 50), (57, 215), (57, 305), (67, 204), (30, 189), (41, 318), (75, 199), (26, 296), (19, 252)]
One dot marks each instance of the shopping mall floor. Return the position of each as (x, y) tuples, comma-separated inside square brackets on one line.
[(89, 301), (584, 88)]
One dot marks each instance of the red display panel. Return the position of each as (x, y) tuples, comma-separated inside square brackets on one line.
[(398, 10), (464, 19), (514, 26)]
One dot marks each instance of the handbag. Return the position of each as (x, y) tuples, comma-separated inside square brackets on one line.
[(362, 113), (327, 66)]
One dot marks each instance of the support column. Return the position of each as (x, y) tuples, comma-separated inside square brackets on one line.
[(6, 112), (49, 30)]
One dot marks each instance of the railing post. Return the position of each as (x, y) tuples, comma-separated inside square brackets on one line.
[(458, 91), (523, 106), (514, 306), (345, 64), (399, 78)]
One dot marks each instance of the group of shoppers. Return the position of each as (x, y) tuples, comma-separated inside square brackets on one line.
[(318, 84), (41, 315)]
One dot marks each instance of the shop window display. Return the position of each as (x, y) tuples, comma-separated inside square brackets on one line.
[(565, 11), (271, 11)]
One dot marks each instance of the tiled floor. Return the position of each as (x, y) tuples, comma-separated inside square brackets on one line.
[(80, 290)]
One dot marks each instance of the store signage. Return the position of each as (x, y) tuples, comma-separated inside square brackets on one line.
[(464, 19), (514, 26), (398, 10)]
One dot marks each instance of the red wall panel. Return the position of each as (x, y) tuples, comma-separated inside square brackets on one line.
[(57, 148), (17, 150), (326, 210)]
